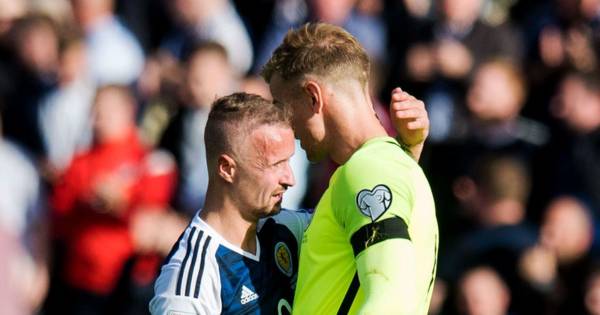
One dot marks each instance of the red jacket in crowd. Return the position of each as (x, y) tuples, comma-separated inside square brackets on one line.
[(95, 228)]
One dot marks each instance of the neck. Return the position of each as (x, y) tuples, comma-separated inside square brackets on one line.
[(353, 124), (221, 213)]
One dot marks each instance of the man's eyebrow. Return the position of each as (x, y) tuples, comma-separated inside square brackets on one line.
[(282, 160)]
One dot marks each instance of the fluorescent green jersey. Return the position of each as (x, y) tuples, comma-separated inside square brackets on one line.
[(378, 208)]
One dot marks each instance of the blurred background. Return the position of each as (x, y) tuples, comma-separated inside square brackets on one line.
[(103, 105)]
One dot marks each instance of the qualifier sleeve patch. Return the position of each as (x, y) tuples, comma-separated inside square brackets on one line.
[(375, 202)]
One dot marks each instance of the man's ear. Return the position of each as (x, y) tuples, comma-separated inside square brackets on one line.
[(316, 94), (226, 167)]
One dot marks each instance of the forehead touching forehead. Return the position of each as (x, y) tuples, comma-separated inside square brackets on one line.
[(233, 119), (269, 144)]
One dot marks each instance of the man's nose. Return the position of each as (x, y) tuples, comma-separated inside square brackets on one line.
[(288, 178)]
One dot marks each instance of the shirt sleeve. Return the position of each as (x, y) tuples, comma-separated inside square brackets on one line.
[(373, 203), (166, 302), (373, 195), (179, 305), (387, 274), (173, 295)]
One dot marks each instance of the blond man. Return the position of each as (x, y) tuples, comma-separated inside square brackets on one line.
[(372, 245), (239, 253)]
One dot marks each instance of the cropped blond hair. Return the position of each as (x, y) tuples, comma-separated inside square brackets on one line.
[(235, 116), (321, 49)]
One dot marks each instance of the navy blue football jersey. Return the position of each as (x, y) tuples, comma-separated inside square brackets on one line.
[(205, 274)]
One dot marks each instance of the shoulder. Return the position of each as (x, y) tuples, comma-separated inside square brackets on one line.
[(190, 280), (382, 163), (382, 156), (296, 221), (379, 180), (289, 217)]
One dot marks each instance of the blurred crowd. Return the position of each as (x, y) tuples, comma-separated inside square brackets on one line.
[(103, 105)]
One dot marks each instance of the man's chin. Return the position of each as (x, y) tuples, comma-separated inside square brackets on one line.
[(276, 208), (273, 211)]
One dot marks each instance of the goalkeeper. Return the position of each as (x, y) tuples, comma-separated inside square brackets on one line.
[(372, 245)]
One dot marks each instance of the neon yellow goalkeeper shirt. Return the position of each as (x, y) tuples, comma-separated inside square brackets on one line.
[(371, 247)]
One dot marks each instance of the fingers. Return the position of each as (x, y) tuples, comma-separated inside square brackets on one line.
[(410, 113), (400, 96), (406, 107), (408, 104), (407, 110), (418, 124), (418, 118), (402, 100)]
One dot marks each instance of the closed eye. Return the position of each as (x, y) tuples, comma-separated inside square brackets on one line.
[(280, 162)]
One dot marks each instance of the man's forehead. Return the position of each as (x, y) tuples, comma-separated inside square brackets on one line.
[(272, 140), (271, 134)]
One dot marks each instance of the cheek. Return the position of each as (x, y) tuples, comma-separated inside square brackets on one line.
[(257, 185), (315, 129)]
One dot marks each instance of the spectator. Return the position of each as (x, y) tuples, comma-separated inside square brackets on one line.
[(10, 11), (35, 42), (23, 232), (558, 264), (114, 54), (454, 46), (65, 114), (575, 148), (208, 76), (483, 292), (210, 20), (463, 41), (492, 125), (459, 41), (361, 18), (495, 197), (100, 194)]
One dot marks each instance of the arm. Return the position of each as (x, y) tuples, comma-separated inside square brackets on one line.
[(172, 295), (387, 275), (410, 120), (377, 227), (166, 305)]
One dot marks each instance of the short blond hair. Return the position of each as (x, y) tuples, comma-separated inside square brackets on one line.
[(235, 116), (321, 49)]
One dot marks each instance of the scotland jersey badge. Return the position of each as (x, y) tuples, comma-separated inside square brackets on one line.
[(283, 259)]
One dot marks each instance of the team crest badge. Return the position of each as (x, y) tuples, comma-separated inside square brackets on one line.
[(375, 202), (283, 258)]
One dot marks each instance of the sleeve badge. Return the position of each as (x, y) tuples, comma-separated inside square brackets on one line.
[(375, 202)]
